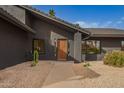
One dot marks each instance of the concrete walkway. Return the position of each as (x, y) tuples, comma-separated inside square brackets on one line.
[(68, 75), (61, 71)]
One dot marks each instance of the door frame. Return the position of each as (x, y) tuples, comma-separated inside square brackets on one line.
[(58, 50)]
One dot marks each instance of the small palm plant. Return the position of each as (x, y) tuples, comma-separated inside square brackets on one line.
[(51, 12)]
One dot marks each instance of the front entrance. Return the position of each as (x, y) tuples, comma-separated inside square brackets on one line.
[(62, 46)]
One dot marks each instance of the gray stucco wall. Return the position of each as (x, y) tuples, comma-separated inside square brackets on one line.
[(111, 44), (14, 44), (108, 44), (77, 46), (29, 19), (50, 33), (15, 11)]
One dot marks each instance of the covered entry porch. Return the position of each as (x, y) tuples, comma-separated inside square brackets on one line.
[(62, 49)]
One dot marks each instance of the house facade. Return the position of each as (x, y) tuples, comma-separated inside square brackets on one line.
[(101, 41), (23, 28)]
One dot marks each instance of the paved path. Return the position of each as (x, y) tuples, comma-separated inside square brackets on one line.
[(68, 75), (60, 72)]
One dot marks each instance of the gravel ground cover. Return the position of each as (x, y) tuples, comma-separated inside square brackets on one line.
[(97, 75), (23, 75), (110, 77), (62, 74)]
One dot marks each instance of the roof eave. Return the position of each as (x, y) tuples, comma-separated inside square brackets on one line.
[(108, 35), (15, 21), (54, 19)]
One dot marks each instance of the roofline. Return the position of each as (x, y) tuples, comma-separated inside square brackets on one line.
[(6, 16), (106, 28), (108, 35), (72, 26)]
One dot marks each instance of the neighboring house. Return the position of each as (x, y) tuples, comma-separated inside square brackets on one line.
[(23, 28), (101, 41)]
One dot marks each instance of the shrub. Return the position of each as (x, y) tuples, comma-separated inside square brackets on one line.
[(114, 58), (86, 65), (93, 51)]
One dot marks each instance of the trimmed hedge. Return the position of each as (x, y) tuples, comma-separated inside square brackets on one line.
[(114, 58)]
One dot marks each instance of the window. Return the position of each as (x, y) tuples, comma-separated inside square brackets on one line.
[(91, 47), (40, 44), (122, 45)]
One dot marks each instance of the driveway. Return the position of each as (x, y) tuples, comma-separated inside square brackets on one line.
[(61, 74)]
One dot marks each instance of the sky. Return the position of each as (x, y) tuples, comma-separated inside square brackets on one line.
[(89, 16)]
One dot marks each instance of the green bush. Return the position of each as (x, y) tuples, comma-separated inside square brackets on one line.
[(86, 65), (93, 51), (114, 58)]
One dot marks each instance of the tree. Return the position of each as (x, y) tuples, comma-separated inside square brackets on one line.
[(77, 25), (51, 12)]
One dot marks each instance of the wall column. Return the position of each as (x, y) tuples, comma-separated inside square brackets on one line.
[(77, 47)]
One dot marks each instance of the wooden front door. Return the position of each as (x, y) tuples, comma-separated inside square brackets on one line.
[(62, 46)]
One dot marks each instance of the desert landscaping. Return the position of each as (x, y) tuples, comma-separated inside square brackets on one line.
[(63, 74)]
